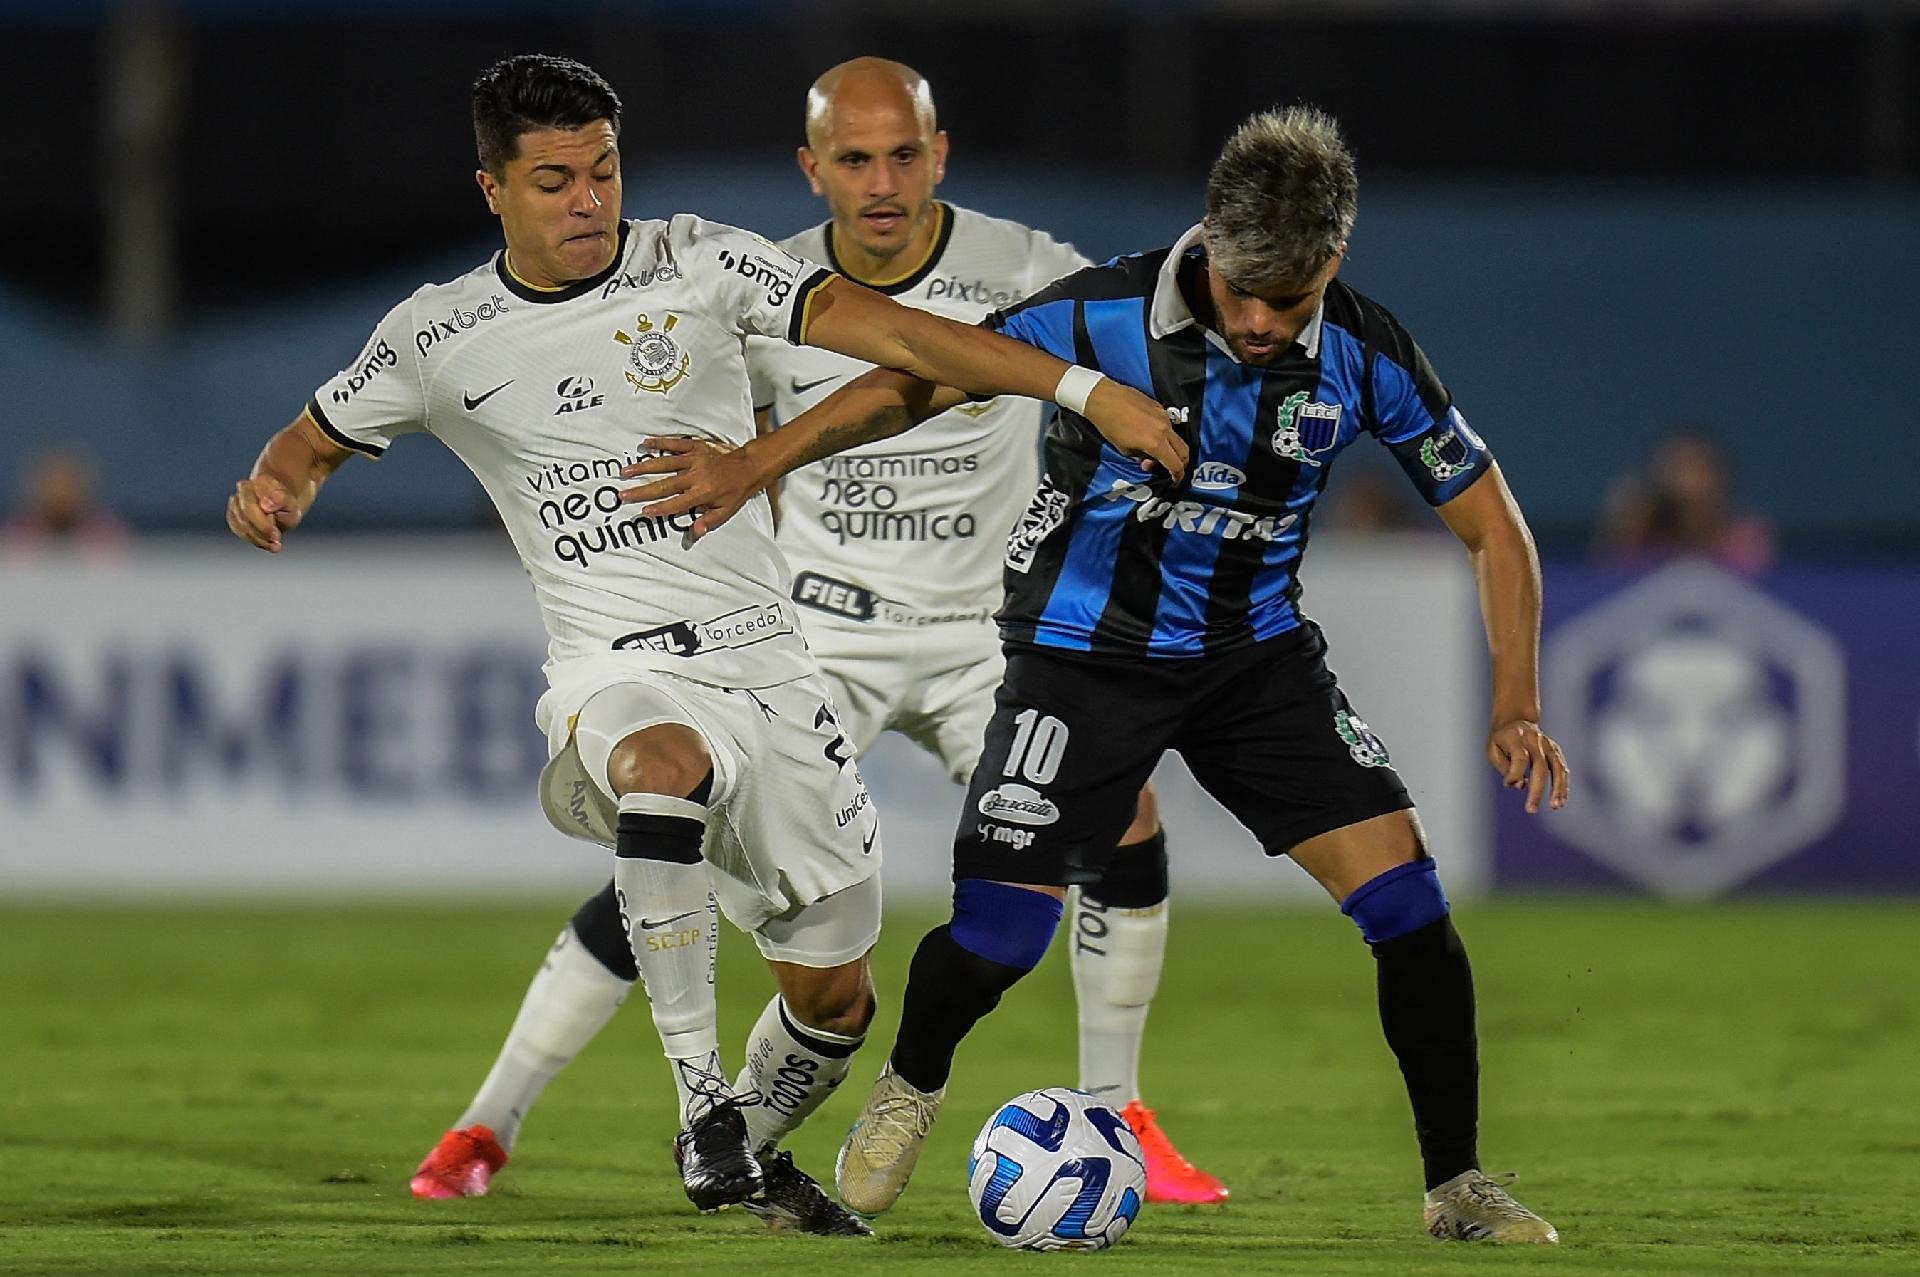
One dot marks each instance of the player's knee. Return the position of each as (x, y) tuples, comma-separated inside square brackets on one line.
[(1136, 877), (598, 927), (1002, 923), (1398, 902), (1146, 818), (666, 758)]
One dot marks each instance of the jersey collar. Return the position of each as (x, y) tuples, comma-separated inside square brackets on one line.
[(1170, 312), (579, 288), (943, 232)]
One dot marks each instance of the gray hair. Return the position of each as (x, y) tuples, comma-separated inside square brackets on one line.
[(1281, 198)]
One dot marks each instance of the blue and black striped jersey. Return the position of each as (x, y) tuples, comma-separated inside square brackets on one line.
[(1109, 562)]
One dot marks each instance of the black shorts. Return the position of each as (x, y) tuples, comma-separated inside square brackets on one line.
[(1265, 729)]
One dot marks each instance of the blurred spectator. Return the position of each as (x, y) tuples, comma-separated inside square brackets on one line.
[(60, 509), (1682, 504), (1373, 498)]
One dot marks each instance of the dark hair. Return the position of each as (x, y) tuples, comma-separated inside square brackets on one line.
[(535, 91), (1281, 198)]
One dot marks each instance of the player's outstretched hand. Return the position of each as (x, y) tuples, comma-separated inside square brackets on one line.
[(1528, 758), (1137, 426), (260, 510), (697, 475)]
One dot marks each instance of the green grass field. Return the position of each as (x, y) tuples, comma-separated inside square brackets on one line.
[(246, 1090)]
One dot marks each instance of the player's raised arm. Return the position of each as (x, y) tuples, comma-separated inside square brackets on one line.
[(1488, 522), (856, 321), (285, 480), (927, 365)]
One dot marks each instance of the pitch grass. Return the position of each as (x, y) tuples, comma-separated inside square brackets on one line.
[(246, 1090)]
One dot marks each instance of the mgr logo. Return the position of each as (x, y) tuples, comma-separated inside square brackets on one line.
[(1707, 724)]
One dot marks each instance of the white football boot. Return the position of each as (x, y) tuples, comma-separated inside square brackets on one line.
[(1474, 1207), (881, 1149)]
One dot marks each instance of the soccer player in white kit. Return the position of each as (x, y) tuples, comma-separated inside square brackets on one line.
[(896, 551), (689, 727), (897, 547)]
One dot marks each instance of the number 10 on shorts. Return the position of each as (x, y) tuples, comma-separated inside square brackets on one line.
[(1039, 745)]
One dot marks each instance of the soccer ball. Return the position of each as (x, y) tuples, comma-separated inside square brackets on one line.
[(1056, 1170)]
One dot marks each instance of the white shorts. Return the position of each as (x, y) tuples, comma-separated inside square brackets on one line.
[(792, 825), (932, 683)]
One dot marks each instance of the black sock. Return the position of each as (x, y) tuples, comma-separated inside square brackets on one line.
[(948, 990), (1426, 1008), (1136, 877), (601, 933)]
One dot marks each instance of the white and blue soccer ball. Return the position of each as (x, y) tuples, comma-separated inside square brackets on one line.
[(1056, 1170)]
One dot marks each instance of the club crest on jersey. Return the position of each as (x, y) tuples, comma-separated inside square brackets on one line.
[(1306, 427), (658, 362), (1365, 748), (1445, 455)]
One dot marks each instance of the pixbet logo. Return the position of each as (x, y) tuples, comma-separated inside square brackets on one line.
[(662, 274), (459, 321), (978, 291)]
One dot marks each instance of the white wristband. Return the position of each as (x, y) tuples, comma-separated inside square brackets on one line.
[(1076, 387)]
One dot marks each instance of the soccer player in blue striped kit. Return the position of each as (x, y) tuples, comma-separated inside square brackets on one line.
[(1144, 615)]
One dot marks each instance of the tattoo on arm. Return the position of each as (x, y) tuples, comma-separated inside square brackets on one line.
[(882, 423)]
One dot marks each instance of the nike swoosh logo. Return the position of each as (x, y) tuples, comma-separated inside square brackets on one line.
[(473, 403), (650, 926), (802, 387), (866, 844)]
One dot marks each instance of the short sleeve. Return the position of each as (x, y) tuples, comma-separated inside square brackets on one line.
[(1414, 416), (378, 397), (1044, 321), (1049, 259), (756, 287)]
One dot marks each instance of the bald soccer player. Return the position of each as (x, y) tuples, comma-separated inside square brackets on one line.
[(897, 547), (896, 552)]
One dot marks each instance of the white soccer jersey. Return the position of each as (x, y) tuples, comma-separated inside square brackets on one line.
[(545, 395), (920, 519)]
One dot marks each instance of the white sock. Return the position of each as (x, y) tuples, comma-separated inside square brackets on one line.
[(673, 924), (1116, 969), (793, 1068), (570, 999)]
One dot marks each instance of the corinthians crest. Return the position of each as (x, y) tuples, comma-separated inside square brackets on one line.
[(658, 362), (1306, 427)]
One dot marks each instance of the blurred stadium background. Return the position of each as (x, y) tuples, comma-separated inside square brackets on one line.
[(1607, 222), (1666, 253)]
